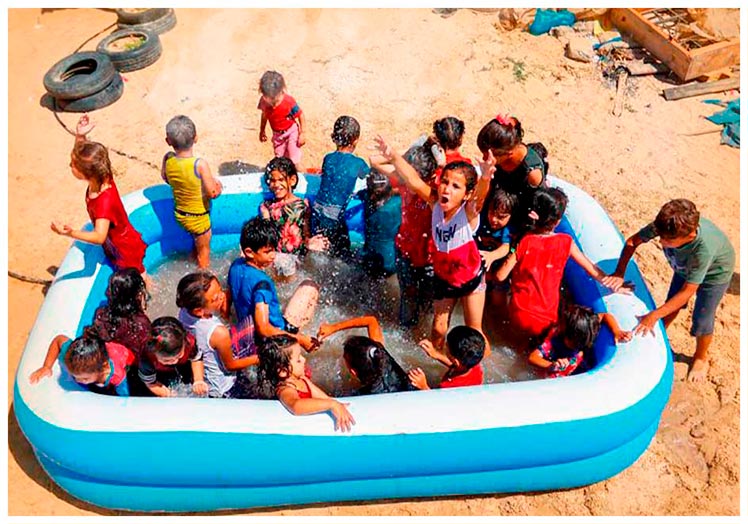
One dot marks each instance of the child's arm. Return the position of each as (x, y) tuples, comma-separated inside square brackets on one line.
[(591, 268), (263, 124), (405, 171), (52, 354), (266, 329), (418, 379), (369, 322), (618, 334), (97, 236), (506, 268), (212, 187), (615, 280), (158, 389), (381, 164), (289, 397), (497, 254), (313, 243), (302, 124), (487, 170), (430, 350), (83, 127), (537, 359), (534, 178), (199, 387), (220, 340), (647, 322), (167, 156)]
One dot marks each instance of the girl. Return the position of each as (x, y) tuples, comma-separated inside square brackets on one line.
[(367, 359), (537, 266), (89, 161), (122, 319), (448, 132), (381, 222), (201, 299), (281, 375), (458, 268), (563, 350), (171, 356), (520, 168), (340, 170), (292, 215), (285, 116)]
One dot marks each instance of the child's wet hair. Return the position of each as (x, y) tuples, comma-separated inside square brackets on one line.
[(86, 354), (466, 169), (92, 160), (167, 337), (580, 325), (272, 83), (375, 368), (502, 202), (192, 288), (422, 160), (678, 218), (125, 296), (345, 131), (467, 345), (550, 205), (502, 136), (282, 165), (259, 232), (275, 359), (449, 132), (181, 132)]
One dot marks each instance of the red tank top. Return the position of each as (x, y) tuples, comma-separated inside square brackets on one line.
[(453, 249)]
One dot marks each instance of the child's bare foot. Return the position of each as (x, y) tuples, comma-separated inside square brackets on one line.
[(698, 371)]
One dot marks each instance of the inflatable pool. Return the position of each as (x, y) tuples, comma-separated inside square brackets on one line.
[(195, 454)]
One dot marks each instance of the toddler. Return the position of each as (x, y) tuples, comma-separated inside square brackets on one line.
[(465, 350), (285, 117), (192, 183)]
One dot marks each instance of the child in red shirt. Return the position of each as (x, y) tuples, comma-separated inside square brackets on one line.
[(465, 349), (285, 117)]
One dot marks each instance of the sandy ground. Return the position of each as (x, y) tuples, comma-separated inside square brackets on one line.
[(396, 71)]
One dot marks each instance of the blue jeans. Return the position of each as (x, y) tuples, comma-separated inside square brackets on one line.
[(708, 297)]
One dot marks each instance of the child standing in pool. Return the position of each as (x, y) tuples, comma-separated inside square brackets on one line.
[(448, 132), (465, 350), (284, 115), (381, 222), (89, 161), (340, 170), (281, 375), (192, 183)]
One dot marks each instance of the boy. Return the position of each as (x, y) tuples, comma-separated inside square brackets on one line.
[(703, 261), (253, 292), (192, 183), (465, 349)]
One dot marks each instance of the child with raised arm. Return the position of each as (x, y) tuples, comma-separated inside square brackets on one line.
[(465, 350), (563, 350), (284, 115), (459, 273), (281, 375), (703, 261), (89, 161), (192, 183)]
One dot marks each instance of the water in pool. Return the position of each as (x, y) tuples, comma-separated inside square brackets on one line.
[(345, 292)]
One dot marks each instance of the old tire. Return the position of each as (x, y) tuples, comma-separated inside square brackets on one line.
[(103, 98), (139, 16), (79, 75), (161, 25), (132, 59)]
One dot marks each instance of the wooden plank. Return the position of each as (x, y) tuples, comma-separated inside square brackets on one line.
[(700, 88), (713, 58)]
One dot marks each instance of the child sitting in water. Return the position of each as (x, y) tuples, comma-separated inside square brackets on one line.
[(100, 366), (192, 183), (281, 375), (171, 356), (292, 214), (201, 299), (340, 170), (284, 115), (465, 350), (564, 348), (254, 294), (367, 359), (381, 222)]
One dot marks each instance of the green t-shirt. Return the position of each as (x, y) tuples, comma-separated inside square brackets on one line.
[(708, 259)]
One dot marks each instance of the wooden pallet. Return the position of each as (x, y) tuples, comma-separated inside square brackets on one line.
[(688, 58)]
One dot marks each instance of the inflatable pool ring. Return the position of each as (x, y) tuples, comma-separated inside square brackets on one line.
[(199, 454)]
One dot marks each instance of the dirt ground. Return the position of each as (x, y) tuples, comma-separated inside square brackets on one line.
[(396, 71)]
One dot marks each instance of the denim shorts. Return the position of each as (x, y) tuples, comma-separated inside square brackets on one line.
[(708, 297)]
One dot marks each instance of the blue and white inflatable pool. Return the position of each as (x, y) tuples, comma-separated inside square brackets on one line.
[(193, 454)]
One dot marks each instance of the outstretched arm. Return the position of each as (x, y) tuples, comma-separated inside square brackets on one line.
[(221, 341), (52, 354), (405, 171), (647, 322), (615, 280), (619, 335), (487, 170), (97, 236), (289, 397), (369, 322), (591, 268)]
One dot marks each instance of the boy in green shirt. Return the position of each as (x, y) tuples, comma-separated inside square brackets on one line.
[(703, 261)]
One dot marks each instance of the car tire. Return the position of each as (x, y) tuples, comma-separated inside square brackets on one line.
[(132, 59), (161, 25), (139, 16), (103, 98), (79, 75)]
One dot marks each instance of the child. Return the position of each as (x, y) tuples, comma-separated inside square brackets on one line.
[(281, 376), (192, 183), (537, 266), (382, 220), (253, 292), (494, 236), (100, 366), (520, 168), (89, 161), (563, 350), (201, 299), (122, 319), (171, 356), (458, 268), (465, 349), (292, 215), (285, 117), (340, 170), (448, 132), (703, 261), (367, 359)]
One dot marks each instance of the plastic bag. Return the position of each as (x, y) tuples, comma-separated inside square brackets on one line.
[(546, 18)]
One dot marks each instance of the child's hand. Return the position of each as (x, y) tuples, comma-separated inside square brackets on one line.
[(560, 364), (384, 149), (84, 126), (64, 229), (39, 374), (263, 136), (418, 379), (310, 344), (646, 324), (612, 282), (487, 164), (301, 140), (318, 243), (429, 348), (622, 336), (325, 330), (343, 418), (199, 387), (487, 257)]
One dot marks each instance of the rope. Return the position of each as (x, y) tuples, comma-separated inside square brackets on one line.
[(30, 280)]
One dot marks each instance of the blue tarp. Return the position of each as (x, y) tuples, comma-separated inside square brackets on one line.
[(728, 117)]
